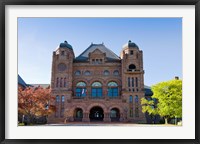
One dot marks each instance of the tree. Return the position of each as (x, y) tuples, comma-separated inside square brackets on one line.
[(35, 102), (168, 96)]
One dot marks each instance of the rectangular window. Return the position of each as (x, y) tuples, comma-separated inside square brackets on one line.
[(93, 61), (131, 52), (136, 112), (129, 82), (56, 113), (113, 92), (131, 112), (96, 92), (136, 81), (62, 53), (65, 83), (62, 112), (132, 82), (61, 82), (80, 92), (57, 82), (130, 99)]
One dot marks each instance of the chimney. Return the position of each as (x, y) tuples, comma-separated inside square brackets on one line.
[(176, 78)]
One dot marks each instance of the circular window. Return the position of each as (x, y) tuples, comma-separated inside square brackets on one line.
[(62, 67)]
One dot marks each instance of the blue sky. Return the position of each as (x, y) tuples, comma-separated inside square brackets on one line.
[(160, 39)]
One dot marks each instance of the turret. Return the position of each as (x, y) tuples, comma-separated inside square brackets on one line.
[(62, 67), (133, 79)]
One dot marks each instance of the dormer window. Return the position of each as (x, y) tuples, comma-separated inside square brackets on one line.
[(97, 61)]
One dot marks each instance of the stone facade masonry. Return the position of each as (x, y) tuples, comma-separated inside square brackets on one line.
[(127, 73)]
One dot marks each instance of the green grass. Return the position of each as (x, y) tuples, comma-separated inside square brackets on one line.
[(21, 124)]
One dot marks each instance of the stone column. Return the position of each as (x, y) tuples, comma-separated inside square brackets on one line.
[(86, 117), (121, 119), (104, 91), (107, 117)]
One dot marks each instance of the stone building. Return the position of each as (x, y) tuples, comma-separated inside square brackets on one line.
[(98, 85)]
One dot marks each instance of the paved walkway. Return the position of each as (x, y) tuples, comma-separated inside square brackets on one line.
[(108, 124)]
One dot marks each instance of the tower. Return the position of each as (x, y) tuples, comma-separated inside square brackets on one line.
[(133, 81), (61, 77)]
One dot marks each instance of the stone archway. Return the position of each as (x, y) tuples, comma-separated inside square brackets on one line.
[(96, 114), (78, 114), (114, 114), (101, 108)]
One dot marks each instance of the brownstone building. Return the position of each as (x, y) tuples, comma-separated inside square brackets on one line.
[(98, 85)]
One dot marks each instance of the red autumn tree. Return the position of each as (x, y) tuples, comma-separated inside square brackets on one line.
[(35, 102)]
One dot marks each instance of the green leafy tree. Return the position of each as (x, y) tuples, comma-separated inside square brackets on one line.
[(168, 102)]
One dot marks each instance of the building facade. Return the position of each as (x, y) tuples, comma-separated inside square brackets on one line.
[(98, 85)]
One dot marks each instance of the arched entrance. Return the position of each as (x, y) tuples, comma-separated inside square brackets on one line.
[(96, 114), (114, 114), (78, 114)]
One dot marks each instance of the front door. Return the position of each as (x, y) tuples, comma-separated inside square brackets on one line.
[(96, 114)]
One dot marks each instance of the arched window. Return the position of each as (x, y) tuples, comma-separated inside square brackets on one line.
[(132, 67), (77, 73), (112, 89), (65, 82), (97, 89), (63, 98), (57, 98), (116, 72), (106, 72), (87, 73), (57, 82), (136, 99), (81, 89), (130, 99)]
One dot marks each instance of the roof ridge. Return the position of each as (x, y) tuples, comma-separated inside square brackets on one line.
[(112, 52), (84, 50)]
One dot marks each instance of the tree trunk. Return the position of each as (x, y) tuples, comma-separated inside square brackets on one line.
[(166, 122)]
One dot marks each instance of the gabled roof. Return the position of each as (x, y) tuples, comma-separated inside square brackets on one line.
[(21, 81), (110, 56)]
